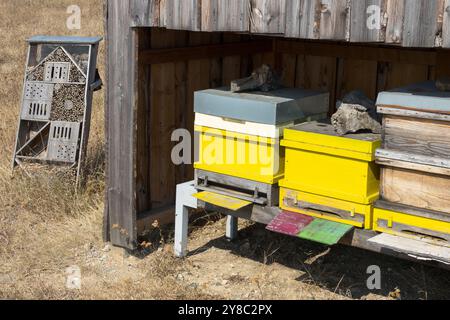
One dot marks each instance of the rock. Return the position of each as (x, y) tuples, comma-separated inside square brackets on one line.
[(356, 112), (193, 286), (180, 277), (224, 282), (106, 248), (263, 78)]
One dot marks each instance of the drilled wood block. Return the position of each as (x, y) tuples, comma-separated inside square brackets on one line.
[(63, 141)]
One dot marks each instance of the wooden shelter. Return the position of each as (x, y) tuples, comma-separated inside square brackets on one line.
[(159, 52)]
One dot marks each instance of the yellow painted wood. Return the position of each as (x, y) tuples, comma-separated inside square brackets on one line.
[(357, 208), (331, 166), (333, 142), (240, 155), (408, 220), (221, 200), (328, 150)]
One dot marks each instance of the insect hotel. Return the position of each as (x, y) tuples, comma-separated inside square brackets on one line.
[(325, 120), (54, 122)]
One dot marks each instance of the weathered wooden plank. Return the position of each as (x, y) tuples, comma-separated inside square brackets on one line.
[(334, 20), (397, 75), (225, 15), (367, 20), (418, 136), (162, 123), (420, 25), (267, 16), (145, 13), (413, 113), (181, 39), (353, 51), (288, 65), (416, 189), (162, 13), (301, 19), (412, 166), (414, 247), (231, 66), (106, 235), (395, 18), (446, 25), (411, 157), (121, 54), (357, 75), (205, 51), (143, 126), (317, 73), (183, 14)]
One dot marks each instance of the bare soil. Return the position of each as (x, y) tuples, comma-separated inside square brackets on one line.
[(45, 227)]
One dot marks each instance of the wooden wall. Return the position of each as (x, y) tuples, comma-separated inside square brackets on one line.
[(171, 71), (166, 97), (409, 23), (152, 74)]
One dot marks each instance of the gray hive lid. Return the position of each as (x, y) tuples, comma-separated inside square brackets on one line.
[(275, 107), (420, 96), (65, 40)]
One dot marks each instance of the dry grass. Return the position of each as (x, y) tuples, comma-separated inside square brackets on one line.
[(45, 227)]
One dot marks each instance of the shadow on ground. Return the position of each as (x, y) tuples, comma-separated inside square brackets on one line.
[(339, 269)]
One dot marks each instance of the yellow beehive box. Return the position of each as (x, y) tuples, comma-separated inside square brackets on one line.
[(240, 155), (355, 214), (319, 161), (428, 228)]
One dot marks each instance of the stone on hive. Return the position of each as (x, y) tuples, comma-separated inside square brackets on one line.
[(356, 112), (263, 78)]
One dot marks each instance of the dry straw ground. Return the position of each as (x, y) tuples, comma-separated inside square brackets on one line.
[(45, 228)]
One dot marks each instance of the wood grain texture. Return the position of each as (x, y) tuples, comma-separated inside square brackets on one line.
[(267, 16), (183, 15), (232, 64), (446, 25), (145, 13), (334, 20), (162, 121), (121, 54), (416, 33), (412, 23), (412, 166), (225, 15), (317, 73), (302, 19), (367, 20), (417, 136), (397, 75), (143, 201), (417, 189), (395, 17), (357, 75)]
